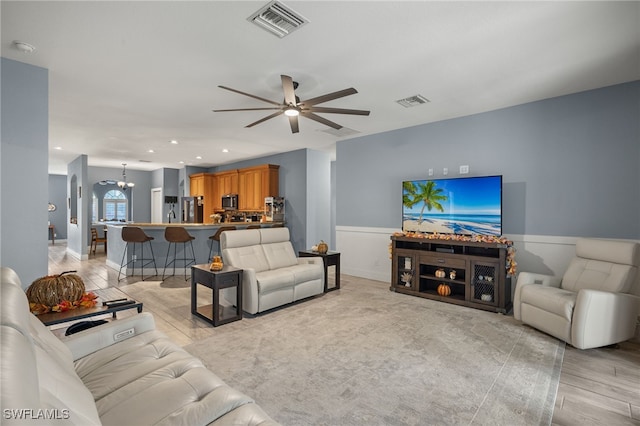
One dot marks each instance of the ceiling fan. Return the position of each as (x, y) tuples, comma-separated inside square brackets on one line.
[(293, 107)]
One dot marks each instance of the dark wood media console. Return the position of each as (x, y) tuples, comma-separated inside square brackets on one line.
[(475, 272)]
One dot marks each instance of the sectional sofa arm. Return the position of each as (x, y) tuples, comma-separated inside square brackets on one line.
[(93, 339), (601, 318), (528, 278), (250, 296), (525, 278)]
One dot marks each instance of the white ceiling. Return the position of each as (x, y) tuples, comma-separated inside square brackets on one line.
[(127, 77)]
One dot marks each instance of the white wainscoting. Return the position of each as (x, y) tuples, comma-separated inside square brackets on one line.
[(364, 252)]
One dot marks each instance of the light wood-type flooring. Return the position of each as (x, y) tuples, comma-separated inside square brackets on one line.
[(597, 386)]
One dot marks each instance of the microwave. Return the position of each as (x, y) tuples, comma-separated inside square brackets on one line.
[(230, 202)]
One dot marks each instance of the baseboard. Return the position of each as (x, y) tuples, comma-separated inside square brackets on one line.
[(365, 273)]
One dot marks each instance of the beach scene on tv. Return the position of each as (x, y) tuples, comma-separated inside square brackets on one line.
[(463, 206)]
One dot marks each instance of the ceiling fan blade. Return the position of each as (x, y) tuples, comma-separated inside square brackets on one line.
[(339, 110), (289, 91), (329, 97), (245, 109), (322, 120), (262, 120), (250, 95), (293, 122)]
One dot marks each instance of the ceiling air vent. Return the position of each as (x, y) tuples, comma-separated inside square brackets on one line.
[(341, 132), (412, 101), (277, 19)]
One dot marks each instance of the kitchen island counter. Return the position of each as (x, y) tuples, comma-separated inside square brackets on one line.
[(116, 247)]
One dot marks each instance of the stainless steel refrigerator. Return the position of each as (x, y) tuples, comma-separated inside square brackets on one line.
[(192, 209)]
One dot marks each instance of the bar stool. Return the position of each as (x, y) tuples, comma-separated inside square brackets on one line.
[(175, 235), (135, 235), (216, 237)]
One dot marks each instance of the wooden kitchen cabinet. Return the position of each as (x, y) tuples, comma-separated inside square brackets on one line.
[(203, 184), (256, 183), (196, 185), (224, 183)]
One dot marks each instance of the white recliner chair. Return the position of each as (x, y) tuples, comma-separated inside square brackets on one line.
[(592, 305)]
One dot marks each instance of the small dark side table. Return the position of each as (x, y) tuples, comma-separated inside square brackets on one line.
[(216, 313), (330, 258)]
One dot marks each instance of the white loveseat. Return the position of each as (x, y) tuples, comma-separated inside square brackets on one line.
[(273, 275), (93, 377)]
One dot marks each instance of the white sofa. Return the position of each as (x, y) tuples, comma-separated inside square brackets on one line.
[(273, 275), (593, 304), (93, 377)]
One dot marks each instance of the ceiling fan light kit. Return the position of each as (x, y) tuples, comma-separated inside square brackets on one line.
[(293, 107), (292, 111)]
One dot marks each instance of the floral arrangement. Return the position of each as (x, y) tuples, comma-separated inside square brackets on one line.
[(406, 279), (512, 266), (88, 300)]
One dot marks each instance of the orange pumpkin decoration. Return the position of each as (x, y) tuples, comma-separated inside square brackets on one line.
[(444, 289), (322, 247), (216, 264)]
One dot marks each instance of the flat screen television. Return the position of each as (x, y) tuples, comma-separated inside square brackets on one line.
[(462, 206)]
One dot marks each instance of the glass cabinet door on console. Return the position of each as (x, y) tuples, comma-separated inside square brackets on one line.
[(404, 264), (484, 276)]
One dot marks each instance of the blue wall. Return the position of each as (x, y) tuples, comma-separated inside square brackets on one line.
[(23, 169), (293, 186), (570, 165)]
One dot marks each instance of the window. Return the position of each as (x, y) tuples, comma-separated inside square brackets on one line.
[(115, 205)]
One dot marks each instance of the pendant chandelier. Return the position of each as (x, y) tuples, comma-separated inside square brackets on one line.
[(123, 184)]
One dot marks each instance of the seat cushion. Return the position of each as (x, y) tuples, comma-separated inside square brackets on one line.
[(175, 394), (152, 380), (273, 280), (550, 299), (114, 366), (306, 272)]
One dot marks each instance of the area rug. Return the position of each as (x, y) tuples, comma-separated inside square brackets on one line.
[(365, 355)]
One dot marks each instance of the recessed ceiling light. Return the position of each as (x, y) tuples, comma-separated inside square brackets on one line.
[(174, 142), (24, 47), (181, 162), (58, 148), (198, 158), (225, 150), (151, 151)]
